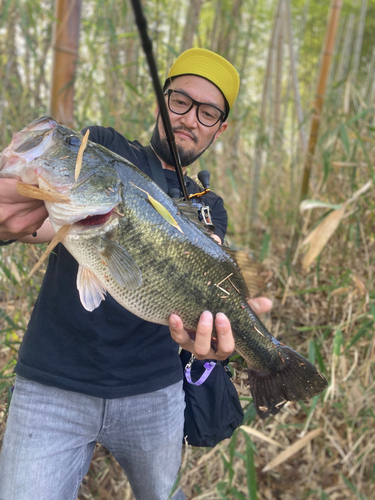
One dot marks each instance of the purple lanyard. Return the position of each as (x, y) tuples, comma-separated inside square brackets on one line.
[(209, 366)]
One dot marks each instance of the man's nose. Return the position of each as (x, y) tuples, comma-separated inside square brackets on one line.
[(190, 119)]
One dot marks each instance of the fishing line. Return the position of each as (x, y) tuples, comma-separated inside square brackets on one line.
[(147, 48)]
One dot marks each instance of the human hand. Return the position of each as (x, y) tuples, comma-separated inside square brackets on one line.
[(19, 216), (260, 305), (201, 347)]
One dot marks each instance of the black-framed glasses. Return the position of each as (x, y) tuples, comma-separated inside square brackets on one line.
[(180, 104)]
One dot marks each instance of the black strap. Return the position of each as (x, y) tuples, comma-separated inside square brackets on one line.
[(6, 242), (157, 171)]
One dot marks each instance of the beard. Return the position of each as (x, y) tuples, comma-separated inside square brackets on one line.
[(162, 149)]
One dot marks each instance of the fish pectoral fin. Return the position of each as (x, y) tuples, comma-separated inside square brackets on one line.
[(91, 291), (121, 265)]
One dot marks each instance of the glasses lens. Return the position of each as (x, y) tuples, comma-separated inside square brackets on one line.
[(179, 103), (208, 115)]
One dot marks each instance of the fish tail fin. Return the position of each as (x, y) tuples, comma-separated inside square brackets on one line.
[(294, 379)]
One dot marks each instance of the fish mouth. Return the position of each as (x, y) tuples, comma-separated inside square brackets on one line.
[(95, 220), (79, 217)]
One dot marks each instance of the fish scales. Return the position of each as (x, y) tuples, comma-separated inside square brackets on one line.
[(126, 247)]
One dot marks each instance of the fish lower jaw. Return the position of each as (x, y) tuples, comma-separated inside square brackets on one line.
[(92, 225), (62, 214)]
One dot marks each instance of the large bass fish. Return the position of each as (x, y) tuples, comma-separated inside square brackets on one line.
[(134, 242)]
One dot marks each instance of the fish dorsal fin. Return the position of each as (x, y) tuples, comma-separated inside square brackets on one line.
[(190, 211), (121, 265), (91, 291), (253, 272)]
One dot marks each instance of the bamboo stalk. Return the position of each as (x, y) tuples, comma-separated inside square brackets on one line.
[(334, 16), (174, 32), (297, 98), (261, 129), (246, 50), (65, 45), (359, 40), (369, 77), (236, 135), (272, 72), (215, 30), (341, 30), (191, 23), (278, 81), (343, 66)]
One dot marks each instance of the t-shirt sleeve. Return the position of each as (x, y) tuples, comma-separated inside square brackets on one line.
[(100, 135), (116, 142)]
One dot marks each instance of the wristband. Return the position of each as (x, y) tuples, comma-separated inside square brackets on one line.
[(208, 367), (6, 242)]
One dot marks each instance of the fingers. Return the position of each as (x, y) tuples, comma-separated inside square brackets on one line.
[(216, 238), (260, 305), (203, 335), (178, 333), (21, 221), (201, 347), (19, 216), (225, 339), (9, 193)]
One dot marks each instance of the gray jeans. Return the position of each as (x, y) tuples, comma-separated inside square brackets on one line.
[(51, 435)]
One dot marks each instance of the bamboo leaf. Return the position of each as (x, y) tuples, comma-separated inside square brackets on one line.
[(344, 138), (318, 238), (337, 343), (40, 194), (236, 495), (255, 433), (359, 115), (352, 488), (59, 236), (80, 154), (360, 191), (311, 204), (366, 329), (292, 450), (365, 153), (4, 316), (250, 469), (232, 450), (164, 212)]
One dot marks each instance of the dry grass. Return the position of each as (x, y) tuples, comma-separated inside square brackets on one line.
[(310, 308), (327, 313)]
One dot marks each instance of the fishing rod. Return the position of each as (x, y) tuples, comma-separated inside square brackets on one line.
[(147, 48)]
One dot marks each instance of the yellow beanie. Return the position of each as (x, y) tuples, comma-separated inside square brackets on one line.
[(216, 69)]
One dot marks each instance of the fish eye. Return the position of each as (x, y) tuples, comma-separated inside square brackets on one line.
[(73, 140)]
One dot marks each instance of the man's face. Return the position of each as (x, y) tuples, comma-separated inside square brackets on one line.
[(192, 138)]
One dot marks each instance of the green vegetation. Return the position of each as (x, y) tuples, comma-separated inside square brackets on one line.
[(325, 310)]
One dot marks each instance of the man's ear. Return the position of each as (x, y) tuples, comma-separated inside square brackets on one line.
[(222, 128)]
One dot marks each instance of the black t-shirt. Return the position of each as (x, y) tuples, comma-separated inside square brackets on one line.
[(109, 352)]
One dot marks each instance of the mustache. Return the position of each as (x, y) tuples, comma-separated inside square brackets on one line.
[(185, 129)]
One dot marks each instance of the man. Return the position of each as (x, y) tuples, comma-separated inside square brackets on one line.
[(107, 375)]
